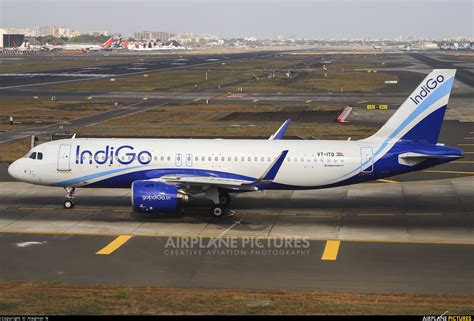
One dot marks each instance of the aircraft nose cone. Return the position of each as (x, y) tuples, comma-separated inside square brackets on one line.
[(13, 170)]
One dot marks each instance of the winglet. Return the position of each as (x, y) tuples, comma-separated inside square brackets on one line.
[(281, 131), (271, 172)]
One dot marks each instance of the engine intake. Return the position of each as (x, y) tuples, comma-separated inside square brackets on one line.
[(155, 197)]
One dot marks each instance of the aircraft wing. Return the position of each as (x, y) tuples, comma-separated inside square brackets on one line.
[(189, 180), (267, 177)]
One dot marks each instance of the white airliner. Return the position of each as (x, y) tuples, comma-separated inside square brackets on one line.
[(152, 46), (89, 47), (165, 173)]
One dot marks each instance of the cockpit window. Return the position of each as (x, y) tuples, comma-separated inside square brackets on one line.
[(33, 155), (39, 156)]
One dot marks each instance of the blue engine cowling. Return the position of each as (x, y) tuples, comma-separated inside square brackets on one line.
[(154, 197)]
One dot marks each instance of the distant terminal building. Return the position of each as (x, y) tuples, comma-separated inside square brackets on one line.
[(153, 35), (55, 31), (11, 38)]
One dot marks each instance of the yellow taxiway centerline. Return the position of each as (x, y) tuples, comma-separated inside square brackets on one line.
[(386, 181), (115, 244), (331, 250), (448, 172)]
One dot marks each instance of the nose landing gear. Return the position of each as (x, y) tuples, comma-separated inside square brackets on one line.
[(69, 203)]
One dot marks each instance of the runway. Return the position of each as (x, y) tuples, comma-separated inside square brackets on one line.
[(405, 237), (28, 79)]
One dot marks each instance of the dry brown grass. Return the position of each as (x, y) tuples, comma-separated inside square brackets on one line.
[(51, 298), (314, 81), (183, 80), (312, 130), (198, 113), (13, 150), (30, 112)]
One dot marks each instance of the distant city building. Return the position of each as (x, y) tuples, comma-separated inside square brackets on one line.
[(153, 35), (55, 31), (190, 38), (100, 33)]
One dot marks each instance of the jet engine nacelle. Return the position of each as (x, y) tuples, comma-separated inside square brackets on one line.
[(155, 197)]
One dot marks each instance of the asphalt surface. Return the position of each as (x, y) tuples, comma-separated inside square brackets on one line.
[(361, 267), (462, 74), (392, 237)]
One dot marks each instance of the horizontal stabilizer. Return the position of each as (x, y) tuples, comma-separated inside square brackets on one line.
[(411, 158)]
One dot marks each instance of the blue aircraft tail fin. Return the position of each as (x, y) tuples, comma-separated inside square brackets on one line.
[(421, 115)]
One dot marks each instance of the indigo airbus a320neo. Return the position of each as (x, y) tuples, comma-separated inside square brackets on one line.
[(165, 173)]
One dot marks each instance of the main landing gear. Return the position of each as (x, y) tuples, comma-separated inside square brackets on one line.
[(218, 210), (69, 202)]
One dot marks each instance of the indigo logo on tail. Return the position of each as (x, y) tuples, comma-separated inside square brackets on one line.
[(427, 88)]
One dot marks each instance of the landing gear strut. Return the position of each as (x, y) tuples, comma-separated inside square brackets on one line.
[(221, 201), (220, 209), (69, 203)]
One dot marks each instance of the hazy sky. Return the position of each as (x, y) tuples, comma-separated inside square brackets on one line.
[(261, 18)]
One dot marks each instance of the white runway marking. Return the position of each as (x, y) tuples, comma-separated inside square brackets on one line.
[(25, 244)]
